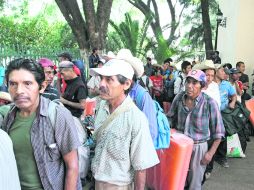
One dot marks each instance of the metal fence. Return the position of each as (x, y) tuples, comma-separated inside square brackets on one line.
[(11, 52)]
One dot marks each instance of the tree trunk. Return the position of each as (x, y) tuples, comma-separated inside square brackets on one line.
[(91, 31), (207, 28)]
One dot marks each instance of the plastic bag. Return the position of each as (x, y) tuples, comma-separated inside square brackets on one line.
[(234, 148)]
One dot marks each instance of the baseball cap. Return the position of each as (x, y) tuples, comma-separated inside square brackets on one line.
[(114, 67), (45, 62), (234, 71), (197, 75), (66, 55), (66, 64)]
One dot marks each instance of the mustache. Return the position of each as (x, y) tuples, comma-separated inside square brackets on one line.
[(103, 90), (20, 97)]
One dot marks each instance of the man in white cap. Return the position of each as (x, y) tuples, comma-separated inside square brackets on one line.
[(140, 95), (124, 148), (197, 115)]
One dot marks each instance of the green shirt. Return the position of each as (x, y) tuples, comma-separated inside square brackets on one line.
[(23, 150)]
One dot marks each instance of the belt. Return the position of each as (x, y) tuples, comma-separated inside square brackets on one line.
[(200, 141)]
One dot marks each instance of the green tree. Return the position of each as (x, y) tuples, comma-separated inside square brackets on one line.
[(131, 34), (150, 10), (89, 30)]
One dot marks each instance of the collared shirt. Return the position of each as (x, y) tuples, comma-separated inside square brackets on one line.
[(226, 90), (147, 108), (51, 93), (201, 123), (124, 146), (50, 143), (9, 178)]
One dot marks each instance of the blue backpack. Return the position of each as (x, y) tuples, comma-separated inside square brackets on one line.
[(163, 138)]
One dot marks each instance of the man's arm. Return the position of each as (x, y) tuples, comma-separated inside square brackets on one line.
[(79, 105), (71, 163), (140, 180), (232, 102), (209, 154)]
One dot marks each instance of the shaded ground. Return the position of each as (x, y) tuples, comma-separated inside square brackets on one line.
[(239, 175)]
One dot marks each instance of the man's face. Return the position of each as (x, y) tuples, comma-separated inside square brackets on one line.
[(66, 73), (49, 74), (241, 68), (221, 73), (62, 59), (187, 70), (235, 76), (209, 75), (166, 66), (192, 88), (24, 89), (111, 88)]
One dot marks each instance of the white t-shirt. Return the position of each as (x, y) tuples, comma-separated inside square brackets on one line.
[(214, 92), (9, 178)]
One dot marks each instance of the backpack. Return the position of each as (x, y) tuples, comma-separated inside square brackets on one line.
[(169, 87), (144, 85), (83, 151), (163, 138)]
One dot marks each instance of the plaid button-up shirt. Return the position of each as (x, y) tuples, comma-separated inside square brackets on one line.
[(201, 123), (50, 143)]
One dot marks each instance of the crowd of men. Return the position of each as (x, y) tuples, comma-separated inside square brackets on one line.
[(43, 143)]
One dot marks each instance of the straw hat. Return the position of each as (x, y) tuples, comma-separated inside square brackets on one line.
[(207, 64), (136, 63), (5, 96)]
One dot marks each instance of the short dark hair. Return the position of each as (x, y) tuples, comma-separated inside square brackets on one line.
[(65, 55), (168, 60), (122, 80), (148, 59), (27, 64), (185, 64), (95, 49), (239, 63), (228, 65)]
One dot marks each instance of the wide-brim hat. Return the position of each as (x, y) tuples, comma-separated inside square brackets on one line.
[(5, 96), (136, 63), (218, 66), (114, 67), (207, 64)]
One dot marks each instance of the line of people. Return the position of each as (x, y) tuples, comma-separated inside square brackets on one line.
[(52, 155)]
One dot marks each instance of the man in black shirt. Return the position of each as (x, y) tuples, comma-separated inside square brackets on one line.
[(74, 97), (244, 79), (94, 58)]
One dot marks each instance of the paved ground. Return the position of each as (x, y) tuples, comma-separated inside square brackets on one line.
[(239, 176)]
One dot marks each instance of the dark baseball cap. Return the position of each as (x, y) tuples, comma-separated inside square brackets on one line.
[(66, 55), (234, 71)]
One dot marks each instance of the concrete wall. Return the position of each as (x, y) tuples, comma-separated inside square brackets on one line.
[(236, 41)]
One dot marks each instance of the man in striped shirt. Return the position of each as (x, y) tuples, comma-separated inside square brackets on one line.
[(197, 115)]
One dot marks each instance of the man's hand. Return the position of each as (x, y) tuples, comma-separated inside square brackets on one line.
[(231, 105), (207, 158)]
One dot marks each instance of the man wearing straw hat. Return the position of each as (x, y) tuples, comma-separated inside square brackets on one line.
[(124, 148)]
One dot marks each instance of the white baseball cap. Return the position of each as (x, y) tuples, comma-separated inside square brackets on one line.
[(114, 67)]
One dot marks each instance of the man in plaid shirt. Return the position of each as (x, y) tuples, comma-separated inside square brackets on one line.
[(197, 115)]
